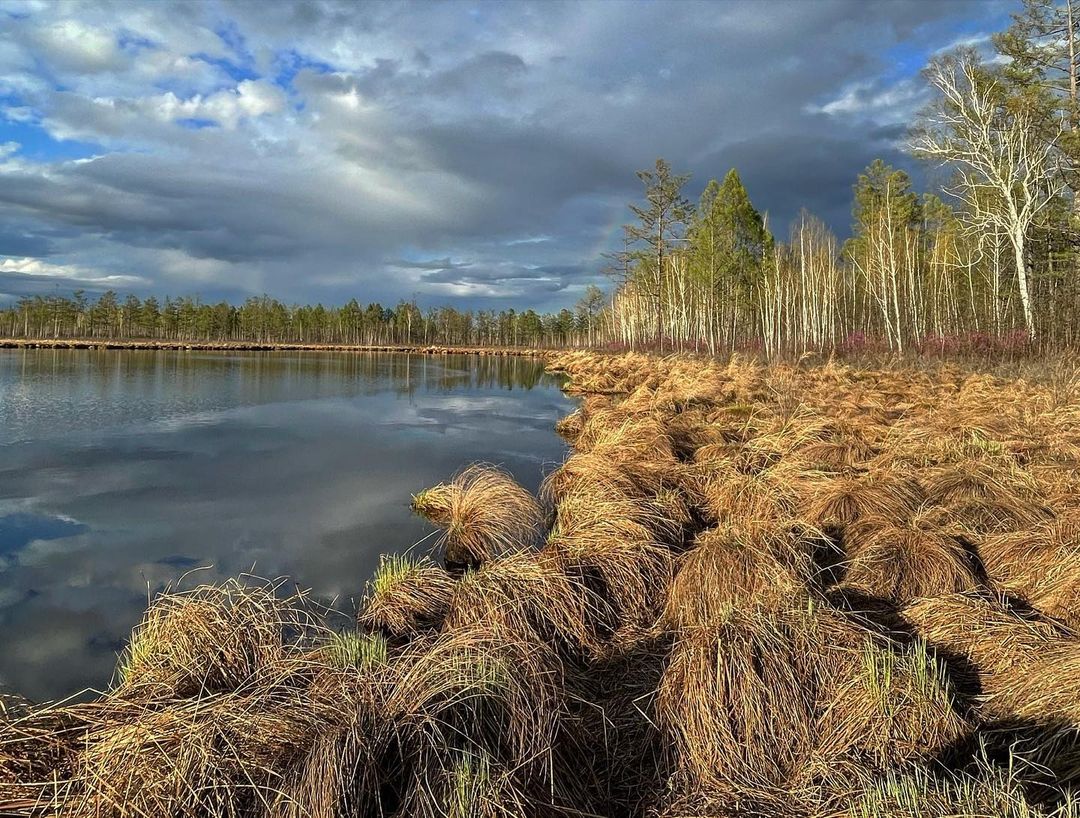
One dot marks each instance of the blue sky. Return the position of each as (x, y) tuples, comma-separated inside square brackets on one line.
[(477, 153)]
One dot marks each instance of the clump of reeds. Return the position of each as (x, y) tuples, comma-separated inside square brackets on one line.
[(985, 498), (910, 560), (466, 784), (612, 544), (476, 691), (213, 755), (355, 651), (732, 703), (893, 707), (484, 514), (585, 471), (924, 791), (739, 565), (742, 700), (407, 597), (838, 446), (207, 640), (570, 426), (842, 501), (347, 761), (991, 646), (39, 748), (531, 595), (729, 489), (1040, 565)]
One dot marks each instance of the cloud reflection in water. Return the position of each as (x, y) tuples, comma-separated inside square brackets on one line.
[(135, 468)]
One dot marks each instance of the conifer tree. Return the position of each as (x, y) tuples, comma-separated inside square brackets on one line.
[(659, 229)]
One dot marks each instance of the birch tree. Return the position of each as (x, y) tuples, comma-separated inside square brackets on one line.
[(1006, 173)]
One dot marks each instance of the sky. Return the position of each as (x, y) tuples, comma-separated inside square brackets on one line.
[(480, 154)]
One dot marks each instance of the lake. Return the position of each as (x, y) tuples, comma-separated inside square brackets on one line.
[(123, 471)]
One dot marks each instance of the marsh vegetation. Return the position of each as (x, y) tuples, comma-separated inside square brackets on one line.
[(748, 591)]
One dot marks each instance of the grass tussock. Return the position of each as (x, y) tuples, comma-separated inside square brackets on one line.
[(921, 792), (739, 566), (809, 591), (209, 640), (732, 703), (484, 514), (1038, 565), (614, 545), (901, 563), (407, 597), (528, 594)]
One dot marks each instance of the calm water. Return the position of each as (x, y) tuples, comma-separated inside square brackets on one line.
[(121, 471)]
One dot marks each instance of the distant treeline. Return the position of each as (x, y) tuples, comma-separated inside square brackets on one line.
[(267, 320)]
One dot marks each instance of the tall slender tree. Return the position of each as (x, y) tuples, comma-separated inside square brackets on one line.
[(660, 227)]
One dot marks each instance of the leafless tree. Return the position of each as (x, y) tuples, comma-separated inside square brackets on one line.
[(1006, 172)]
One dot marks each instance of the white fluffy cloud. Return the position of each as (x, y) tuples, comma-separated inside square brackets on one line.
[(68, 45), (37, 268)]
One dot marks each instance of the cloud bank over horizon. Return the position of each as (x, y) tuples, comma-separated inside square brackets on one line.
[(474, 153)]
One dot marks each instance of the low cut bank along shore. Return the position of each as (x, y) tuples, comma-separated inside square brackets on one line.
[(749, 591), (255, 346)]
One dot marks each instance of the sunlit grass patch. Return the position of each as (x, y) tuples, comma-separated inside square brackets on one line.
[(484, 514)]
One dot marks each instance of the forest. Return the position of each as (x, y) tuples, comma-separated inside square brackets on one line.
[(988, 260)]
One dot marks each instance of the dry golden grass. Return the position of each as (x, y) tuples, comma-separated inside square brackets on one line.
[(1040, 565), (995, 647), (926, 791), (406, 597), (729, 492), (733, 704), (613, 544), (746, 566), (901, 563), (528, 594), (894, 707), (484, 514), (659, 640), (838, 502), (208, 640)]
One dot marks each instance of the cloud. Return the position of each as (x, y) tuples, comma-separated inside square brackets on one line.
[(432, 264), (877, 101), (70, 45), (321, 151), (33, 276)]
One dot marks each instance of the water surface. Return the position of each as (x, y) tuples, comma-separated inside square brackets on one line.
[(120, 471)]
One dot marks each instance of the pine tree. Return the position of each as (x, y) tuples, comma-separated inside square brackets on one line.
[(660, 227), (1042, 45)]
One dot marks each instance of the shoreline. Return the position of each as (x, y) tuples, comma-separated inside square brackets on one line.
[(255, 346)]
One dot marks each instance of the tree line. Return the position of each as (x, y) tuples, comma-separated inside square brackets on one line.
[(990, 259), (267, 320), (993, 259)]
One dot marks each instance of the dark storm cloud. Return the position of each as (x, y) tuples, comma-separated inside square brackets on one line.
[(16, 243), (15, 285), (487, 71), (480, 152), (787, 172)]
